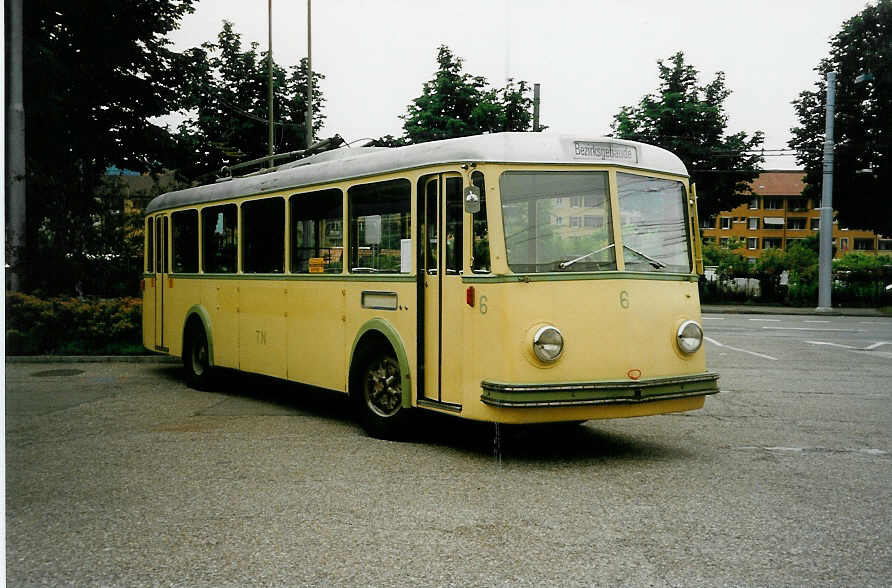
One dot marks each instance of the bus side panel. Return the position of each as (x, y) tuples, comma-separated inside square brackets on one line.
[(263, 343), (148, 313), (179, 296), (404, 318), (220, 299), (315, 332)]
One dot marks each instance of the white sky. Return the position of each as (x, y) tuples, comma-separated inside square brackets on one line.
[(591, 57)]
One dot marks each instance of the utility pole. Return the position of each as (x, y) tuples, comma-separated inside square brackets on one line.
[(309, 75), (825, 255), (536, 108), (272, 135), (15, 144)]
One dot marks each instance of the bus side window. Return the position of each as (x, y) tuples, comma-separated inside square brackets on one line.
[(380, 227), (185, 241), (263, 236), (480, 236), (149, 249), (317, 231), (219, 240)]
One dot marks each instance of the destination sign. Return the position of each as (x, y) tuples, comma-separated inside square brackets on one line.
[(605, 151)]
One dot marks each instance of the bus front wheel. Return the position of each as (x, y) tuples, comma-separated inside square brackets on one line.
[(380, 396), (196, 359)]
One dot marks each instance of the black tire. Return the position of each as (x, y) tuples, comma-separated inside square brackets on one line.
[(378, 396), (196, 359)]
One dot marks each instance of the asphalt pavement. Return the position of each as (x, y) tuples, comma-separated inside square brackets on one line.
[(120, 475)]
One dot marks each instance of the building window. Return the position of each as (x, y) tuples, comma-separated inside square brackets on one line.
[(575, 222), (575, 201), (863, 244), (724, 242), (796, 223), (815, 224), (774, 204), (884, 245), (752, 243), (797, 204), (754, 203), (844, 243), (753, 223), (725, 222), (593, 221), (559, 220), (706, 223), (773, 222), (771, 243)]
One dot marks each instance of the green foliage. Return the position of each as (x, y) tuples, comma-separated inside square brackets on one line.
[(82, 326), (228, 106), (862, 122), (728, 264), (95, 73), (456, 104), (689, 120)]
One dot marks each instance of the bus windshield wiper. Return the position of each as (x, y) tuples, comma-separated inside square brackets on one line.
[(653, 262), (566, 264)]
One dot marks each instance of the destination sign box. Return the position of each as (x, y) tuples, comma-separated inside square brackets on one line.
[(605, 151)]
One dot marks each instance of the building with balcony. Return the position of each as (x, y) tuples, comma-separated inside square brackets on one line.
[(778, 215)]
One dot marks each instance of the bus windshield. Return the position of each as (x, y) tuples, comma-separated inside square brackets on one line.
[(654, 229), (561, 222), (557, 221)]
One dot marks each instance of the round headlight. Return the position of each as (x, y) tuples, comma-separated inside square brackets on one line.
[(548, 343), (689, 337)]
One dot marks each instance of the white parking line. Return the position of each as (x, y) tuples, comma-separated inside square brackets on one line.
[(815, 321), (713, 318), (812, 329), (766, 320), (762, 355), (877, 344)]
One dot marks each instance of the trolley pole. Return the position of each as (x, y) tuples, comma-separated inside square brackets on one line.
[(825, 255), (309, 74), (15, 144), (272, 136)]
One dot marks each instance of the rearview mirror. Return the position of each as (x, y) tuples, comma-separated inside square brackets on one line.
[(472, 199)]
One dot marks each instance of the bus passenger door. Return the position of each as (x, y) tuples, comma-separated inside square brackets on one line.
[(162, 242), (440, 343)]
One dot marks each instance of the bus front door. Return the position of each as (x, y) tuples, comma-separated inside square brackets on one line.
[(440, 343), (162, 242)]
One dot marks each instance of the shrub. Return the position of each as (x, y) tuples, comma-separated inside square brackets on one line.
[(82, 326)]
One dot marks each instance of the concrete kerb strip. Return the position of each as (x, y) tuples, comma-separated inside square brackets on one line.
[(91, 359), (744, 309)]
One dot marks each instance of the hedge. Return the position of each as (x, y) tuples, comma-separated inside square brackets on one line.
[(73, 326)]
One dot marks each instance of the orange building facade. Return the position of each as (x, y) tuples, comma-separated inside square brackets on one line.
[(778, 215)]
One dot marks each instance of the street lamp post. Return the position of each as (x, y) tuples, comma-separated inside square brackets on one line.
[(825, 255)]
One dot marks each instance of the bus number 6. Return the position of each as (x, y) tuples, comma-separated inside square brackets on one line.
[(624, 299)]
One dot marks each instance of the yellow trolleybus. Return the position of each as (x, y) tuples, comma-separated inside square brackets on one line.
[(512, 278)]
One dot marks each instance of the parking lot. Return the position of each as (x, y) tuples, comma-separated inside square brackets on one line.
[(118, 474)]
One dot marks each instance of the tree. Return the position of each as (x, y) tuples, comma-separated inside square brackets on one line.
[(95, 73), (456, 104), (862, 124), (228, 89), (690, 120)]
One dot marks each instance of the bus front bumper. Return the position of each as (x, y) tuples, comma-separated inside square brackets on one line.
[(595, 393)]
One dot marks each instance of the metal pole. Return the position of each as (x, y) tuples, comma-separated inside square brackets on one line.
[(825, 256), (309, 74), (15, 144), (270, 64), (535, 108)]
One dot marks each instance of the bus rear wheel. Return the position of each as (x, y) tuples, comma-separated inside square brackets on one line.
[(380, 397), (196, 359)]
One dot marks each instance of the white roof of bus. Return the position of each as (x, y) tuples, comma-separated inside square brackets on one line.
[(345, 163)]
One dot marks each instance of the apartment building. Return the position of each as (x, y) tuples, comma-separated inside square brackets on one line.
[(778, 215)]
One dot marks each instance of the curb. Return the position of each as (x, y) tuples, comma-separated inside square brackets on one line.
[(91, 359), (722, 309)]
